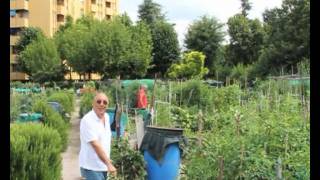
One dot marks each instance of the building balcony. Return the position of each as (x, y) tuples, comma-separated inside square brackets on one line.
[(94, 8), (59, 23), (19, 4), (61, 9), (13, 58), (13, 40), (109, 11), (19, 22), (18, 76)]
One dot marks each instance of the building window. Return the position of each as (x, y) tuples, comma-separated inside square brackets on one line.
[(60, 18), (108, 17), (15, 31), (22, 13), (108, 4), (93, 1), (60, 2), (12, 12), (14, 50), (15, 67)]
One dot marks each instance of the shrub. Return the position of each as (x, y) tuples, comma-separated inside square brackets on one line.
[(130, 163), (65, 98), (52, 119), (85, 103), (34, 152)]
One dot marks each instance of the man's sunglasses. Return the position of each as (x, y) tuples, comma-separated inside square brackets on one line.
[(104, 102)]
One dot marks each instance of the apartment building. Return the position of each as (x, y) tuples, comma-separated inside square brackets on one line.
[(49, 15)]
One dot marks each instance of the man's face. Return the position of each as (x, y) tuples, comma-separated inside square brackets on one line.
[(100, 104)]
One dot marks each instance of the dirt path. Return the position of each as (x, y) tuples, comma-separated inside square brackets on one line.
[(70, 164)]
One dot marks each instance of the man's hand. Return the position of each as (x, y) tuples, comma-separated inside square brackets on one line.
[(111, 169)]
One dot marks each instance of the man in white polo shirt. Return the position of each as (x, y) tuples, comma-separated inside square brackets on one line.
[(95, 137)]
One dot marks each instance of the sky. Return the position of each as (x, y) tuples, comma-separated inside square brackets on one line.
[(184, 12)]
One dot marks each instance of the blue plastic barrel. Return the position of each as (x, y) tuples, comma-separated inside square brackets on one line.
[(162, 148), (167, 168)]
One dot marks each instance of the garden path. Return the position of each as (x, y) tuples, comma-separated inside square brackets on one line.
[(70, 164)]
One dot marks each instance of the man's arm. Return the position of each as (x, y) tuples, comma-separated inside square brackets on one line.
[(102, 155)]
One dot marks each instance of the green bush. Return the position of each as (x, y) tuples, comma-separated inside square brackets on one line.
[(34, 152), (52, 119), (65, 98), (193, 93), (130, 164), (85, 103)]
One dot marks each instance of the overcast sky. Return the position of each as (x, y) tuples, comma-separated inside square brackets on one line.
[(183, 12)]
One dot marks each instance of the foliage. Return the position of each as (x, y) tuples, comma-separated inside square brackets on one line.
[(65, 98), (191, 66), (130, 163), (86, 103), (15, 106), (246, 39), (109, 48), (139, 52), (192, 93), (53, 120), (72, 46), (34, 152), (205, 35), (150, 12), (27, 36), (165, 47), (245, 7), (42, 60), (251, 136), (288, 37)]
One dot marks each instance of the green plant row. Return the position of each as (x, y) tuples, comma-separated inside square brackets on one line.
[(34, 152)]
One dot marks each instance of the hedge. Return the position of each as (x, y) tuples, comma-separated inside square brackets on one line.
[(65, 98), (34, 152), (52, 119)]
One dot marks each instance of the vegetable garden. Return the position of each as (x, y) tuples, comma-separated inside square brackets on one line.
[(233, 132)]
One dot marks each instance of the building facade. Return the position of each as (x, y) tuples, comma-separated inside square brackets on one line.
[(48, 15)]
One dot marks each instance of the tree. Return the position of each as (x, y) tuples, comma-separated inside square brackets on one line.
[(140, 50), (191, 66), (287, 40), (27, 36), (68, 24), (165, 42), (150, 12), (72, 45), (42, 60), (75, 45), (245, 7), (246, 40), (205, 35), (125, 19), (165, 47)]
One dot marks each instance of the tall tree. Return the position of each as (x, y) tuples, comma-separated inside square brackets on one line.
[(73, 46), (42, 60), (245, 7), (205, 35), (27, 36), (164, 38), (288, 37), (165, 47), (246, 40), (150, 12), (140, 49)]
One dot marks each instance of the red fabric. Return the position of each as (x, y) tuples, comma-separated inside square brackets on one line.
[(141, 99)]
